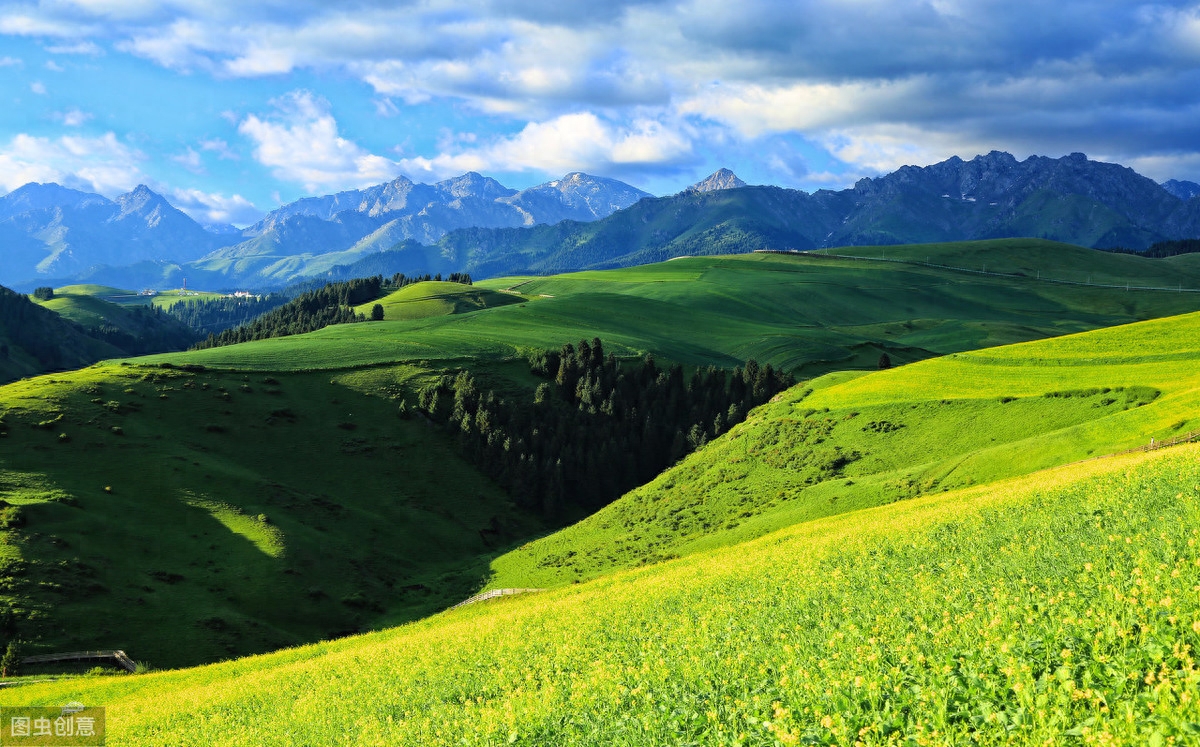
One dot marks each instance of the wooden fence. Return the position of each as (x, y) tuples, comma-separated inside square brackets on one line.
[(117, 655), (492, 595), (1155, 444)]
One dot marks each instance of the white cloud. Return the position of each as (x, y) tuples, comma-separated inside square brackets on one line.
[(88, 48), (38, 87), (73, 117), (190, 160), (180, 45), (300, 143), (221, 148), (573, 141), (385, 107), (880, 82), (754, 110), (36, 22), (210, 207), (100, 164), (885, 148), (11, 62), (1160, 168)]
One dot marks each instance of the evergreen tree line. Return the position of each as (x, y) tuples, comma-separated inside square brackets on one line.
[(1163, 249), (147, 330), (319, 304), (595, 428), (34, 330), (399, 280), (214, 316), (308, 312)]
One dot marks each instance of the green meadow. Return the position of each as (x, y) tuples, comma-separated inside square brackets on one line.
[(436, 298), (1050, 609), (854, 440), (802, 313), (189, 516), (200, 506)]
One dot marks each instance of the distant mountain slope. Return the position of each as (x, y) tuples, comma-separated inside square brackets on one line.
[(50, 231), (1069, 199), (310, 236), (1182, 189), (472, 223), (692, 223), (52, 234)]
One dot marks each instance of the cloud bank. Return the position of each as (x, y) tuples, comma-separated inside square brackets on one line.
[(639, 86)]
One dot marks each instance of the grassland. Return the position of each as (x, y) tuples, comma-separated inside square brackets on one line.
[(1027, 258), (1055, 608), (436, 298), (161, 299), (85, 308), (188, 516), (807, 314), (849, 441), (371, 518)]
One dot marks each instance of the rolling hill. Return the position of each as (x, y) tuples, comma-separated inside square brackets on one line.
[(849, 441), (236, 442), (133, 328), (805, 313), (34, 340), (1051, 607)]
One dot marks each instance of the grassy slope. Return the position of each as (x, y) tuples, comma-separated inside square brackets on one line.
[(803, 313), (428, 299), (713, 310), (1051, 261), (162, 299), (849, 441), (85, 309), (1061, 604), (369, 518), (90, 307)]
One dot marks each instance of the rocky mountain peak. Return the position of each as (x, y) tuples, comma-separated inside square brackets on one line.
[(1182, 189), (472, 184), (34, 196), (142, 198), (718, 180)]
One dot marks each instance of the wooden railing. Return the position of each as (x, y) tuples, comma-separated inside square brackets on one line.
[(1155, 444), (116, 654), (492, 595)]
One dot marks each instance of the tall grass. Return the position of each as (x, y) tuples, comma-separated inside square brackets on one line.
[(1057, 608)]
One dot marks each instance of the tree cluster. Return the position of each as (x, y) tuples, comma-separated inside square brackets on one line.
[(213, 316), (596, 427), (1163, 249), (308, 312), (145, 330), (399, 280)]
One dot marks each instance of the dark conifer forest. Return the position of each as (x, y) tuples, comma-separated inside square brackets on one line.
[(597, 427)]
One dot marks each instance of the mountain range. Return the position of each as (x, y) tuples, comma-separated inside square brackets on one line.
[(476, 224), (52, 232)]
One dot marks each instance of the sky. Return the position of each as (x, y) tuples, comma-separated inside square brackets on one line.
[(231, 109)]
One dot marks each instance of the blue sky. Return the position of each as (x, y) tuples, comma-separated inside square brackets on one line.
[(233, 108)]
